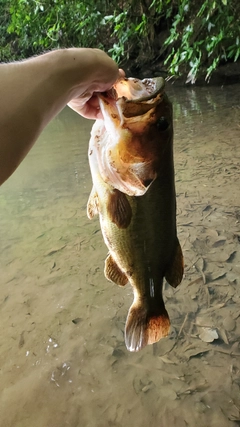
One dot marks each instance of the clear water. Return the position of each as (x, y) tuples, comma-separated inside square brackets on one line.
[(56, 372)]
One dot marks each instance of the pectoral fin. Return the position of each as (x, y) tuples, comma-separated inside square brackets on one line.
[(92, 205), (175, 271), (113, 273), (119, 209)]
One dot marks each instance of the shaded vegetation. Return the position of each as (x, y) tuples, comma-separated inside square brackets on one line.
[(186, 36)]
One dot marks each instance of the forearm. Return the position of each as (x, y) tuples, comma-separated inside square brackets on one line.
[(32, 92), (26, 107)]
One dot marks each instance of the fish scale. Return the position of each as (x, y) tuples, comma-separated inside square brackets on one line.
[(138, 223)]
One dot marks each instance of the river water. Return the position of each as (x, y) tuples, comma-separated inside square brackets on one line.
[(63, 360)]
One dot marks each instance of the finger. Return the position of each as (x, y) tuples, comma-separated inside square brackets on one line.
[(93, 101), (91, 113), (122, 73), (90, 110)]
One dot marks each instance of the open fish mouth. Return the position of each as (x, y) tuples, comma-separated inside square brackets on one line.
[(137, 90), (127, 151), (132, 97)]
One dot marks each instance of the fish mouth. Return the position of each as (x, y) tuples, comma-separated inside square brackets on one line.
[(137, 90), (126, 160), (131, 97)]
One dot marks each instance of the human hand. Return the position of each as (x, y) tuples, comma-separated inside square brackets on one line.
[(41, 87), (102, 73)]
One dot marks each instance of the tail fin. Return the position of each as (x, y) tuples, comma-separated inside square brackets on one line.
[(145, 325)]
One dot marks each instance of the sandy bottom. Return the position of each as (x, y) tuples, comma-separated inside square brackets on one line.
[(63, 360)]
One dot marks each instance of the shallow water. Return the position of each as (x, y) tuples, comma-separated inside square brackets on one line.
[(56, 372)]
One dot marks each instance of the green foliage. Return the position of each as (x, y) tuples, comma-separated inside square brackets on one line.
[(5, 51), (127, 32), (48, 24), (203, 34), (185, 35)]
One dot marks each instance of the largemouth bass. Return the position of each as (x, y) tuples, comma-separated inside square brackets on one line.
[(131, 162)]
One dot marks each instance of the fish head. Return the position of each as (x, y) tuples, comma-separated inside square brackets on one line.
[(137, 118)]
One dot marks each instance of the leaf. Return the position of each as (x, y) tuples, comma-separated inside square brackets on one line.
[(54, 250), (165, 359), (196, 388), (237, 55), (219, 242), (224, 256), (148, 387), (223, 335), (208, 335), (195, 352), (229, 323), (199, 264), (217, 275), (211, 232)]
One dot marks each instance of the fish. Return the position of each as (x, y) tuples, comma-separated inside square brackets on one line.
[(131, 163)]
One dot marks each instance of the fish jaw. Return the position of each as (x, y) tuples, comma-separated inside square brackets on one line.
[(130, 159), (133, 89)]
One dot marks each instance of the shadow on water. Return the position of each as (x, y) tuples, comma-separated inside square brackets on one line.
[(63, 359)]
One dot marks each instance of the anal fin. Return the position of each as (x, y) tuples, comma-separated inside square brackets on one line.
[(174, 273), (113, 273)]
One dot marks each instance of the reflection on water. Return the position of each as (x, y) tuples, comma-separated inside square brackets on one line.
[(63, 359)]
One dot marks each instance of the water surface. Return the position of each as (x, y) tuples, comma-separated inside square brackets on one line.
[(63, 359)]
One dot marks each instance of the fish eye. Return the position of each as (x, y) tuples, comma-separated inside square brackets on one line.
[(162, 123)]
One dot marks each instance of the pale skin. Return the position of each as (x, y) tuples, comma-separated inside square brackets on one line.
[(34, 91)]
